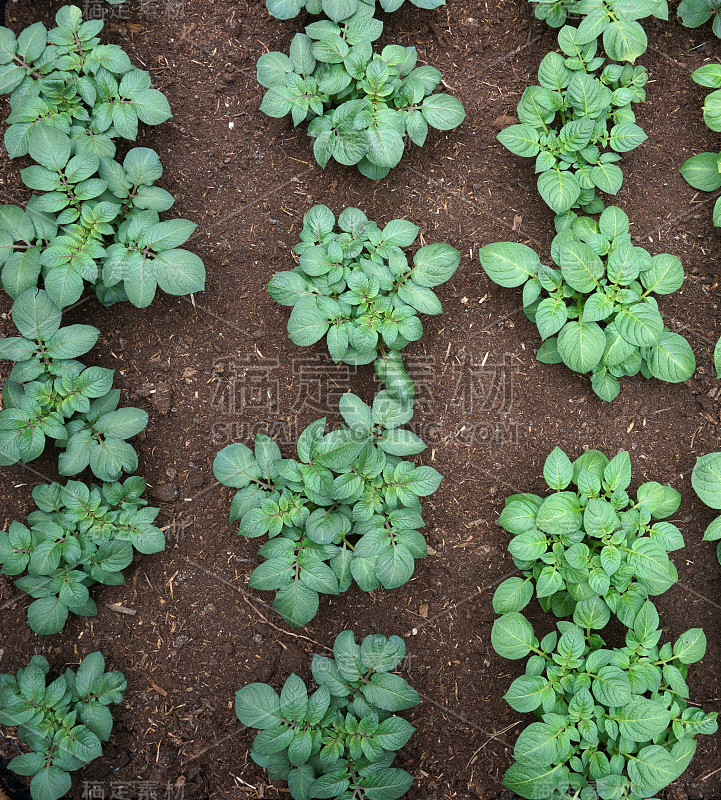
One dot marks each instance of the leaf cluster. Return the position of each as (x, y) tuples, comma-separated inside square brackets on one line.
[(616, 21), (588, 549), (49, 393), (695, 13), (63, 723), (706, 482), (95, 220), (360, 105), (614, 722), (338, 10), (358, 289), (599, 315), (79, 535), (347, 510), (341, 740), (576, 123)]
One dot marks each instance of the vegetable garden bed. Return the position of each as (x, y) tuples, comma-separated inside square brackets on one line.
[(219, 368)]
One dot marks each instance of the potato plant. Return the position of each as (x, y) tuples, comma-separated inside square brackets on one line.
[(360, 105), (358, 289), (706, 482), (79, 535), (588, 550), (577, 122), (50, 394), (616, 21), (613, 722), (599, 315), (338, 10), (63, 723), (347, 510), (341, 740), (95, 220)]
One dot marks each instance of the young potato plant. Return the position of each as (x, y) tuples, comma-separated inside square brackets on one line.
[(624, 38), (599, 315), (341, 740), (613, 723), (63, 723), (79, 535), (360, 105), (706, 481), (96, 220), (695, 13), (338, 10), (576, 123), (588, 549), (347, 510), (50, 394), (358, 289)]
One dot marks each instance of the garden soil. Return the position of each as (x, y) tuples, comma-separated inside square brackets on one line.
[(219, 367)]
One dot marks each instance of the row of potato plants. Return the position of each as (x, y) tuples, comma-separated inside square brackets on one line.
[(92, 219), (613, 721)]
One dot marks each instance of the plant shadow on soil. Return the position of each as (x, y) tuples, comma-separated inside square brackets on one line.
[(223, 369)]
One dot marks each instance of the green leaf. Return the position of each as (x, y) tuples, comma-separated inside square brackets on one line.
[(702, 172), (522, 140), (672, 358), (560, 513), (50, 784), (296, 603), (389, 692), (235, 466), (642, 720), (435, 264), (258, 706), (509, 264), (559, 189), (35, 315), (690, 646), (443, 112), (512, 636), (514, 594), (47, 615), (307, 323), (651, 769), (581, 345), (612, 686), (706, 479), (557, 470)]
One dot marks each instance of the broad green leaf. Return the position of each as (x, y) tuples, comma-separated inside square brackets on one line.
[(512, 636), (509, 264)]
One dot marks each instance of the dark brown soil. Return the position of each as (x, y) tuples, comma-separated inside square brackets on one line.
[(224, 369)]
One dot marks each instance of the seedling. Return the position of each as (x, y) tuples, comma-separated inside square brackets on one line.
[(347, 510), (614, 722), (600, 316), (63, 724), (79, 535), (49, 393), (360, 105), (357, 289), (96, 220), (576, 124), (588, 549), (341, 740)]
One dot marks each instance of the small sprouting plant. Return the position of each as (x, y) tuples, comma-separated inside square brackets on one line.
[(338, 10), (612, 722), (599, 315), (695, 13), (348, 510), (706, 481), (358, 289), (96, 220), (576, 124), (63, 723), (49, 393), (79, 535), (341, 740), (588, 549), (360, 105), (624, 38)]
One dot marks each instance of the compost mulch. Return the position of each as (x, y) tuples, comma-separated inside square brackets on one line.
[(185, 628)]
